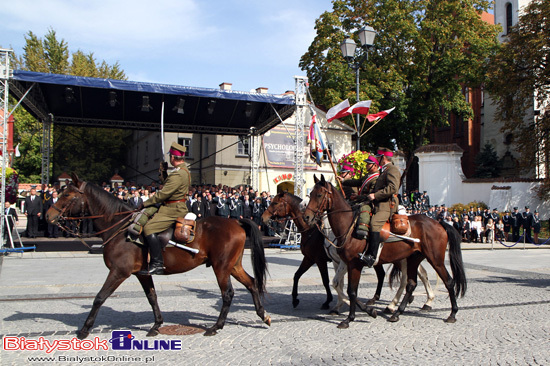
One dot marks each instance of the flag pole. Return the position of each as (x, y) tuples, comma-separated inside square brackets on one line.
[(335, 174), (374, 124)]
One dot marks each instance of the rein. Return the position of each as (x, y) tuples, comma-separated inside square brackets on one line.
[(319, 214), (129, 215)]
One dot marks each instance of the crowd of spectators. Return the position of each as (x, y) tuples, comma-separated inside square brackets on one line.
[(479, 224), (203, 200)]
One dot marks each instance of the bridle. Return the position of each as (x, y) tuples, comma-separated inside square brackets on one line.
[(325, 205), (83, 206)]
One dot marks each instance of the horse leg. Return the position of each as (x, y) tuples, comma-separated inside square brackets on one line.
[(354, 275), (243, 277), (412, 269), (380, 274), (429, 291), (323, 269), (304, 266), (114, 279), (448, 281), (390, 309), (149, 288), (338, 284), (226, 288)]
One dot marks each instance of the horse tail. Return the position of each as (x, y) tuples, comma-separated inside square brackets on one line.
[(395, 275), (455, 257), (259, 263)]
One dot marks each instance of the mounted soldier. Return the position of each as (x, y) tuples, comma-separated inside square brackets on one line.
[(172, 198), (366, 184), (384, 200)]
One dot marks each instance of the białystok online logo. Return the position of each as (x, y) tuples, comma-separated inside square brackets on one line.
[(120, 340)]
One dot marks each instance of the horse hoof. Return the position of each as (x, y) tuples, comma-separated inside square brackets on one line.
[(325, 306), (426, 308), (387, 310), (295, 303), (394, 318), (82, 335), (210, 332), (373, 313), (450, 320), (411, 299), (153, 333), (333, 312), (343, 325), (267, 320)]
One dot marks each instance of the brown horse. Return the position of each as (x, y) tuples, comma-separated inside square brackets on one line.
[(433, 238), (314, 250), (220, 242), (311, 243)]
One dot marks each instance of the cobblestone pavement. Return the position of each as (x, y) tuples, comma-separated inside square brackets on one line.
[(503, 319)]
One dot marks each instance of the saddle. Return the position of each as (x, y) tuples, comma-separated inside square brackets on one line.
[(185, 230), (399, 224)]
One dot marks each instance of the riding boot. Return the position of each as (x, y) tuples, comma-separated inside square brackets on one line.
[(156, 266), (368, 257)]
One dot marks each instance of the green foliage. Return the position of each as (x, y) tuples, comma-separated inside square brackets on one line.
[(93, 153), (487, 163), (459, 207), (425, 53), (518, 76)]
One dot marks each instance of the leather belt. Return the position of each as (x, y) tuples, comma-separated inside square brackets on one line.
[(176, 201)]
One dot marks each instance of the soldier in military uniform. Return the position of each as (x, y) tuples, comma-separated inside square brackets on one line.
[(385, 202), (516, 222), (172, 197), (366, 184)]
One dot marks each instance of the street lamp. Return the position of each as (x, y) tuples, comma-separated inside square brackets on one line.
[(348, 47)]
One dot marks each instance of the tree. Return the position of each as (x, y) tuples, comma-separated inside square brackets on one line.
[(520, 82), (92, 153), (425, 54), (487, 163)]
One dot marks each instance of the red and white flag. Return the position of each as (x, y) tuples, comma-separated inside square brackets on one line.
[(338, 111), (379, 115), (361, 107)]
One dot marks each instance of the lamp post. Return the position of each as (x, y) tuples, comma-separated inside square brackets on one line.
[(348, 47)]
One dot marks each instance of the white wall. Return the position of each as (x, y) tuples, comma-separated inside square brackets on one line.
[(442, 177)]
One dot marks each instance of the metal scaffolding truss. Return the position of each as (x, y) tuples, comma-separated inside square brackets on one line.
[(300, 122), (4, 108)]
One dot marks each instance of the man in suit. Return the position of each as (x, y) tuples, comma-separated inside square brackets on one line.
[(33, 211), (12, 219), (385, 202), (53, 230), (135, 201)]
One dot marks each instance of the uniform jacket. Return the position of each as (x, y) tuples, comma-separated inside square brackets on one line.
[(385, 188)]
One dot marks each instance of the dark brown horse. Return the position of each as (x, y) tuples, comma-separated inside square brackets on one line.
[(220, 242), (286, 205), (311, 245), (433, 238)]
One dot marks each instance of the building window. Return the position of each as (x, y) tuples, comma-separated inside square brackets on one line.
[(467, 94), (330, 148), (187, 143), (243, 147), (508, 18)]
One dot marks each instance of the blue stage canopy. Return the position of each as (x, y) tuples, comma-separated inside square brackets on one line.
[(94, 102)]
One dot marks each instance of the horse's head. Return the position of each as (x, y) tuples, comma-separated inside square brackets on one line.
[(320, 200), (71, 201), (278, 208)]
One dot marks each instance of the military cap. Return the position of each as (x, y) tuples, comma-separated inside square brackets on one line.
[(177, 149)]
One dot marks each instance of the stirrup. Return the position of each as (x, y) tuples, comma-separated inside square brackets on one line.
[(152, 271), (367, 259)]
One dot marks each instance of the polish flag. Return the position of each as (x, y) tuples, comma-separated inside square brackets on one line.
[(338, 111), (360, 107), (379, 115)]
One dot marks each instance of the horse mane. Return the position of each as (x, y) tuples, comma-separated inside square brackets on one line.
[(104, 202)]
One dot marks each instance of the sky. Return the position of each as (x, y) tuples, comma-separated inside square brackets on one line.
[(197, 43)]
